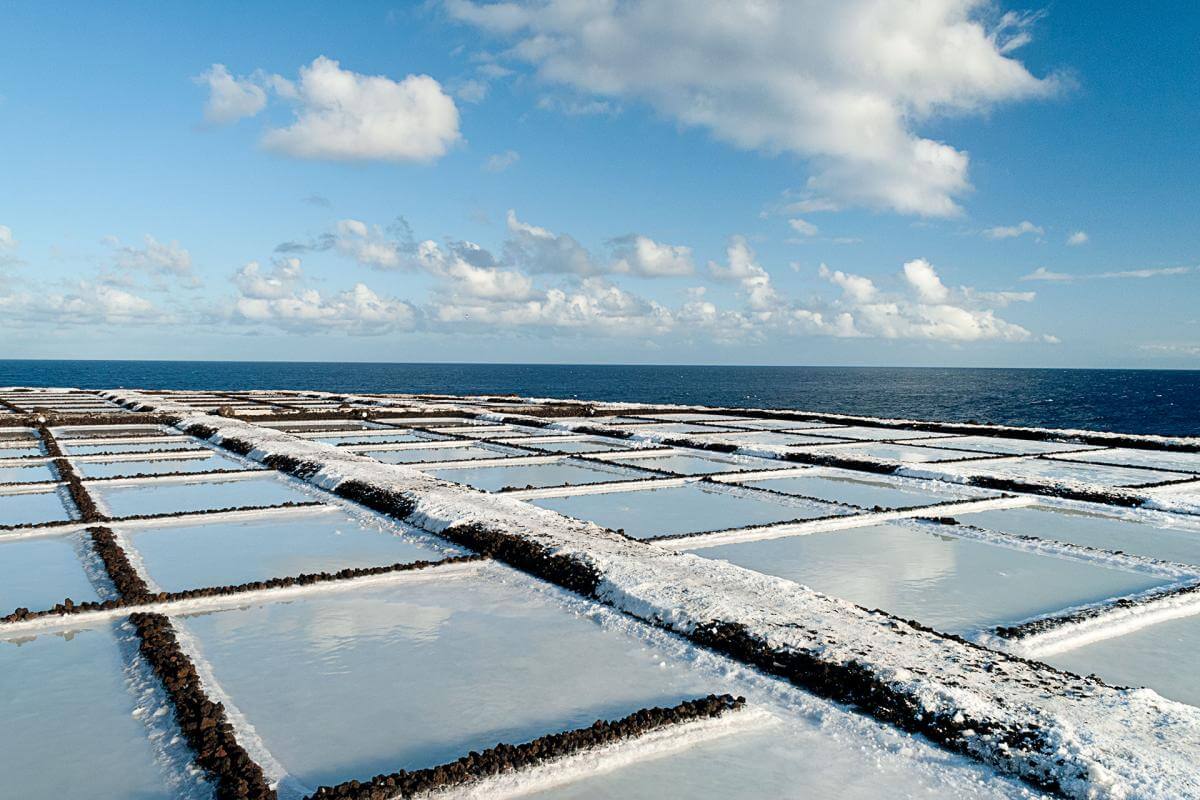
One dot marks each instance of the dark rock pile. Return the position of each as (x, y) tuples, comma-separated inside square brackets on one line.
[(507, 757)]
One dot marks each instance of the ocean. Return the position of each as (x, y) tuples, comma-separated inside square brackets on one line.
[(1163, 402)]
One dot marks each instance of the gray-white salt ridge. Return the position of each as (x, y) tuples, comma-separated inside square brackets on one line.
[(1100, 741)]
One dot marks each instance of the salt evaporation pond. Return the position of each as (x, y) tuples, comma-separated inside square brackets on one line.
[(1161, 656), (158, 466), (865, 491), (683, 509), (33, 473), (39, 572), (1094, 530), (166, 497), (579, 446), (520, 476), (142, 447), (434, 454), (27, 508), (69, 728), (1001, 445), (684, 464), (953, 585), (1044, 469), (226, 551), (413, 676)]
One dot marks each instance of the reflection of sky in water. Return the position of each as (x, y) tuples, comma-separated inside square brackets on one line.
[(951, 584), (1045, 469), (1093, 530), (169, 496), (102, 750), (864, 493), (238, 551), (37, 573), (413, 675), (18, 509), (1157, 656), (682, 509), (521, 475)]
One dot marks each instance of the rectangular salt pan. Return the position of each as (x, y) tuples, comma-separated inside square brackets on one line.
[(1154, 459), (19, 452), (682, 509), (228, 552), (890, 452), (578, 446), (412, 676), (865, 491), (31, 508), (69, 729), (1044, 470), (768, 438), (1094, 530), (700, 465), (1006, 446), (372, 437), (1160, 656), (433, 454), (33, 473), (161, 466), (679, 427), (953, 585), (143, 447), (165, 497), (37, 573), (521, 476), (868, 433)]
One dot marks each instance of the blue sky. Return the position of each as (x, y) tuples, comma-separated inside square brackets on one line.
[(940, 182)]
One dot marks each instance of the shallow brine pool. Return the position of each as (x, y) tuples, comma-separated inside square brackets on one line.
[(522, 476), (37, 573), (683, 509), (1093, 530), (166, 496), (867, 492), (182, 557), (32, 507), (159, 466), (1161, 656), (69, 727), (953, 585), (412, 676), (435, 454)]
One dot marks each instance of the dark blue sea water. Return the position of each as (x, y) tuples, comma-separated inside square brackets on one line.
[(1133, 401)]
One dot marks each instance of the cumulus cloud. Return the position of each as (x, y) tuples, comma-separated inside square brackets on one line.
[(7, 240), (344, 115), (230, 98), (845, 85), (499, 162), (153, 257), (83, 303), (742, 267), (1025, 227), (278, 298), (1043, 274), (641, 255), (928, 310), (1077, 238), (537, 249), (341, 115)]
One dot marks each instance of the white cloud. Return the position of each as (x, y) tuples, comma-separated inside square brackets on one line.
[(230, 98), (344, 115), (742, 267), (256, 284), (7, 240), (471, 91), (1043, 274), (932, 312), (157, 259), (1176, 350), (803, 227), (84, 303), (921, 276), (499, 162), (1077, 238), (843, 84), (641, 255), (1013, 231), (539, 250)]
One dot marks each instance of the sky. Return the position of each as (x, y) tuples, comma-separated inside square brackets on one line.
[(933, 182)]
